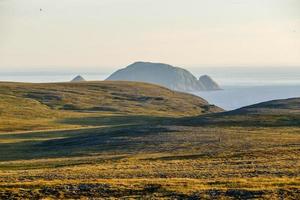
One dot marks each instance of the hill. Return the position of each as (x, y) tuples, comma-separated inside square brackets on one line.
[(144, 149), (174, 78), (32, 106), (284, 112), (281, 106), (276, 113)]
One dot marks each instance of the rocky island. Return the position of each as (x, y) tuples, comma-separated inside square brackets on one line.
[(174, 78)]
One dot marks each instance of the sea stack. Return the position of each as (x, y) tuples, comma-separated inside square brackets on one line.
[(78, 79)]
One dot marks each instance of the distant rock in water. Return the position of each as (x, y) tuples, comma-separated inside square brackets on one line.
[(78, 79), (174, 78), (209, 83)]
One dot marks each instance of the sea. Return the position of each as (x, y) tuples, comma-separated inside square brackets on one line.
[(240, 86)]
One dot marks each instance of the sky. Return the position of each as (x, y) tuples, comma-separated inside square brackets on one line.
[(109, 34)]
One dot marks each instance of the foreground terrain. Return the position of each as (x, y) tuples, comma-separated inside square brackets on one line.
[(183, 148)]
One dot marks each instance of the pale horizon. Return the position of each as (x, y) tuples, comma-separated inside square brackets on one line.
[(110, 34)]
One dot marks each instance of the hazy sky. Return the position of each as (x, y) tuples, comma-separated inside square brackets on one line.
[(74, 34)]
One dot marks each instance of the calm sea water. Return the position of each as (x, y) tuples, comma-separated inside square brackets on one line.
[(246, 86), (242, 87), (233, 97)]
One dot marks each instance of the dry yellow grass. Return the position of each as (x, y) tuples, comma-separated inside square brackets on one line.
[(186, 162), (26, 106), (159, 152)]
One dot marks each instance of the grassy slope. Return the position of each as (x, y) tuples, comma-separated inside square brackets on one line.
[(161, 155), (277, 113), (44, 106)]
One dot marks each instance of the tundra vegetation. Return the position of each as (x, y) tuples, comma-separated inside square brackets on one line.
[(134, 140)]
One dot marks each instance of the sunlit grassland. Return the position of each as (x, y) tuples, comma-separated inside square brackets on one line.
[(27, 107), (174, 160), (132, 140)]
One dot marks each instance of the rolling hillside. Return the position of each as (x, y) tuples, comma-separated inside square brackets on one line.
[(26, 106), (282, 106), (284, 112), (106, 146)]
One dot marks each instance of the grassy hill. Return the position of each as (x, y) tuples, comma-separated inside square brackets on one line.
[(276, 113), (158, 151), (25, 106)]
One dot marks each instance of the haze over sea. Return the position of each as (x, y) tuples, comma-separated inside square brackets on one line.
[(247, 86), (242, 86)]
